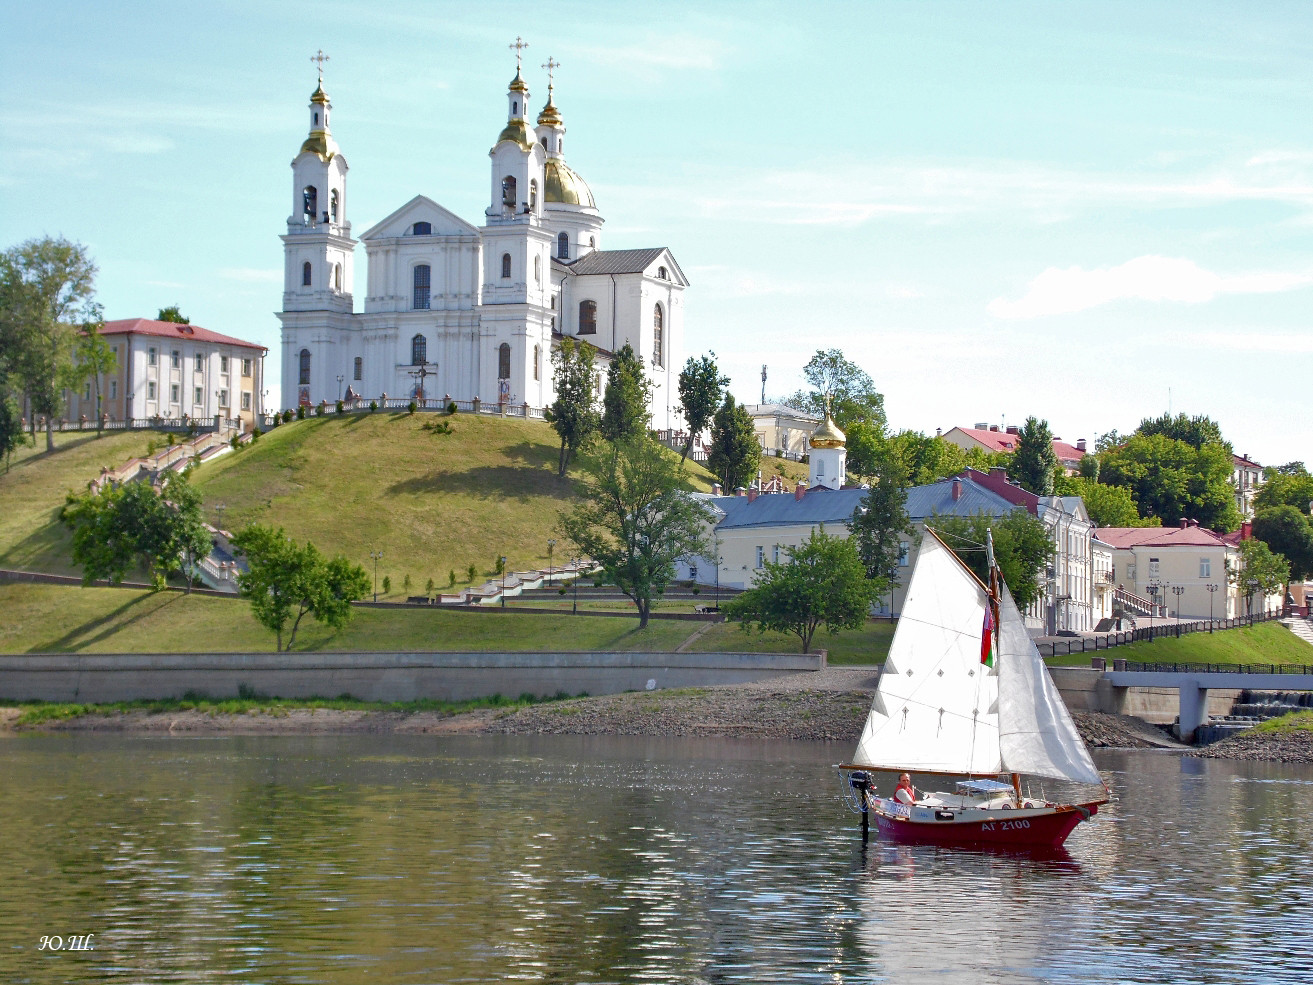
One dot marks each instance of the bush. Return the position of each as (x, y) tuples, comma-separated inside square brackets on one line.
[(451, 578), (340, 407), (255, 435), (235, 441), (319, 411), (171, 438), (779, 452), (471, 572), (561, 590), (152, 446), (373, 406), (300, 412), (412, 407), (287, 416), (387, 584), (451, 407), (405, 584), (428, 587), (500, 565)]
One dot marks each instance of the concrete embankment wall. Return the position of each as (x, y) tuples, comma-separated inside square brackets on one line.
[(96, 678), (1085, 690)]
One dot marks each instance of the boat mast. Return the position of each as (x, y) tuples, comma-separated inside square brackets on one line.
[(992, 602)]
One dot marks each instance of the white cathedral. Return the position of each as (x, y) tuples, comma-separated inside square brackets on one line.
[(469, 312)]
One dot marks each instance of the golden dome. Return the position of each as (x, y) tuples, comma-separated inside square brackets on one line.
[(564, 186), (828, 435), (550, 116), (319, 96), (319, 142), (518, 131), (517, 83)]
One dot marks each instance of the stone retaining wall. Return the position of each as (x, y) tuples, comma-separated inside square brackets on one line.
[(1083, 689)]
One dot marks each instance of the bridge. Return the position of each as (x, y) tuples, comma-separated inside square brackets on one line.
[(1194, 684)]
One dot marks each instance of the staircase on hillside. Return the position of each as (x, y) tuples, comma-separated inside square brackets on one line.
[(1131, 602)]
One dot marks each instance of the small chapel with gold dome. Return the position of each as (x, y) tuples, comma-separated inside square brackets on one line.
[(465, 312)]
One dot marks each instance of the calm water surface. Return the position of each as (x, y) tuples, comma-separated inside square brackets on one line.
[(380, 859)]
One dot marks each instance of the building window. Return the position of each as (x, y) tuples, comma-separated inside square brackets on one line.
[(337, 277), (508, 191), (658, 319), (776, 558), (421, 229), (663, 273), (303, 378), (150, 355), (1205, 567), (903, 553), (150, 390), (1153, 569), (504, 362), (246, 400), (359, 369), (246, 367), (537, 270), (506, 266), (174, 393), (200, 362), (537, 362), (533, 195), (332, 204), (305, 274), (223, 364), (196, 397), (419, 350), (761, 557), (421, 299), (563, 246), (175, 359), (310, 201), (113, 389), (223, 398), (587, 317), (592, 241)]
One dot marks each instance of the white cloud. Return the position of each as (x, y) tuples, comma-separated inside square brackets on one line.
[(251, 275), (1147, 278)]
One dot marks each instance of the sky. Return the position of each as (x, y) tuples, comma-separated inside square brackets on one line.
[(1086, 212)]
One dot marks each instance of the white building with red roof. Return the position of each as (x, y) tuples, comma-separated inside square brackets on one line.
[(996, 438), (175, 371), (1246, 477)]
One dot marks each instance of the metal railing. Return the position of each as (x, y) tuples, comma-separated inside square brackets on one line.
[(1107, 641)]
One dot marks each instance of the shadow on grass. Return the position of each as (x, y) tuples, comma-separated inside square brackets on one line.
[(65, 643), (491, 482)]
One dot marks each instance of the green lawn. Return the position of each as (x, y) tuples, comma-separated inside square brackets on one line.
[(33, 490), (860, 647), (1264, 643), (1296, 721)]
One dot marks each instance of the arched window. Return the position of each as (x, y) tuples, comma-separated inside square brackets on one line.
[(515, 107), (563, 246), (422, 229), (663, 273), (537, 362), (508, 191), (310, 201), (306, 274), (337, 277), (506, 266), (587, 317), (537, 269), (533, 195), (592, 242), (658, 333), (359, 369), (332, 204), (421, 298), (504, 362), (304, 378), (419, 350)]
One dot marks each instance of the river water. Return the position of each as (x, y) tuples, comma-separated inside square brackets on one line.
[(398, 859)]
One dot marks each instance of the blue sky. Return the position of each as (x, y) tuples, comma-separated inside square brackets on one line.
[(1067, 209)]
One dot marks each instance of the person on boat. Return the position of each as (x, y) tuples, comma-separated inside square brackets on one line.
[(905, 793)]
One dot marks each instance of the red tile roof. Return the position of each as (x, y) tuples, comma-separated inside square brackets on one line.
[(172, 330), (1125, 537), (1003, 441), (1066, 452)]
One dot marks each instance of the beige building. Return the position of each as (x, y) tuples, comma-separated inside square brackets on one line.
[(1153, 562), (782, 429), (1246, 477), (176, 372)]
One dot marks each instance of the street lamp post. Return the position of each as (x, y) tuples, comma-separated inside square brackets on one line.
[(1153, 603), (218, 512), (551, 547), (502, 561), (1178, 591), (339, 387), (574, 566), (377, 556), (1212, 590)]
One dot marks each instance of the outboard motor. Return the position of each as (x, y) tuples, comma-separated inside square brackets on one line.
[(860, 781)]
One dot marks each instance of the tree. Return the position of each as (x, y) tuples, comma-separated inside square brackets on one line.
[(285, 581), (926, 459), (1194, 431), (1108, 506), (879, 524), (1089, 467), (93, 357), (103, 547), (1108, 441), (845, 388), (1290, 468), (44, 285), (1258, 570), (11, 425), (171, 313), (1292, 488), (823, 583), (636, 519), (1170, 479), (181, 538), (1289, 533), (572, 414), (1034, 461), (700, 389), (624, 403), (735, 455), (1022, 548)]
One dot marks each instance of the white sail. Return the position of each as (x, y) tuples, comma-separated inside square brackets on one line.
[(936, 706), (1036, 733)]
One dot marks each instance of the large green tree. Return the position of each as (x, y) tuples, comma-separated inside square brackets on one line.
[(926, 459), (735, 455), (173, 314), (625, 400), (1022, 548), (1194, 431), (1258, 571), (1108, 506), (1170, 479), (1286, 488), (823, 583), (286, 581), (1034, 462), (573, 414), (45, 286), (11, 425), (880, 522), (700, 388), (849, 393), (1289, 532), (637, 517), (93, 358)]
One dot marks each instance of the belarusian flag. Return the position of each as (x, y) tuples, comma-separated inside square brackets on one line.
[(987, 637)]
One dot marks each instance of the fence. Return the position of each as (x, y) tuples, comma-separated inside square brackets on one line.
[(1091, 644), (194, 425), (431, 404)]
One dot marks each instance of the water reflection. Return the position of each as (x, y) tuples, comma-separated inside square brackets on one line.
[(422, 859)]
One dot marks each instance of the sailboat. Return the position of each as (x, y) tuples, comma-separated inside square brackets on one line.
[(964, 694)]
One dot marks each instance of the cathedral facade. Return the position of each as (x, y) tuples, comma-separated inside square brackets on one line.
[(458, 311)]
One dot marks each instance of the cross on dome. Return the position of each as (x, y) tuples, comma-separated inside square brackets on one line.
[(519, 47), (551, 65), (320, 57)]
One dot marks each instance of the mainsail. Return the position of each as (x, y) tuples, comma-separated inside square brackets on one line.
[(938, 708)]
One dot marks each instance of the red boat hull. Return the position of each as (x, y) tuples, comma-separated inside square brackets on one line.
[(1048, 830)]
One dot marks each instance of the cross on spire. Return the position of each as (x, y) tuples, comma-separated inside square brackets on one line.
[(551, 65), (519, 47), (320, 57)]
